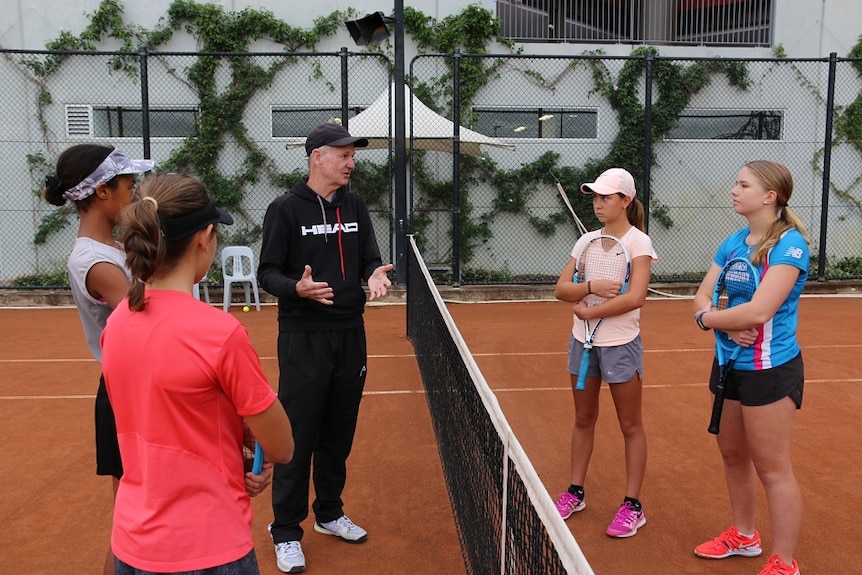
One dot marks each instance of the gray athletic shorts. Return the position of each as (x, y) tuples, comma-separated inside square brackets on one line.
[(615, 364)]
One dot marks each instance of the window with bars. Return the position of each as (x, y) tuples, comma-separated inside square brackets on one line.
[(728, 125), (511, 123), (125, 122), (297, 122), (85, 120), (684, 22)]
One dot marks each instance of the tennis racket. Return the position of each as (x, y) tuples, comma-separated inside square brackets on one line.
[(581, 228), (736, 285), (252, 452), (257, 463), (603, 258)]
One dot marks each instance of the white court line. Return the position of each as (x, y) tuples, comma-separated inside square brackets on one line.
[(93, 396), (662, 385), (422, 392), (496, 354), (676, 297), (262, 358)]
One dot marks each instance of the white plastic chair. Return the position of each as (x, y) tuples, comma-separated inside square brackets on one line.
[(196, 289), (235, 260)]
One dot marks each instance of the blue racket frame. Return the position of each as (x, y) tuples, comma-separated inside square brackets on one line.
[(257, 464), (724, 366)]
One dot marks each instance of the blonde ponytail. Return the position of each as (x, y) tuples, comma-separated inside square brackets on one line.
[(776, 177)]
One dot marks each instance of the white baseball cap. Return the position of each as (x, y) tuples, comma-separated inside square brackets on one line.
[(613, 181)]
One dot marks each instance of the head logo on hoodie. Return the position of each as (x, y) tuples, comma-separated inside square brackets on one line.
[(325, 229)]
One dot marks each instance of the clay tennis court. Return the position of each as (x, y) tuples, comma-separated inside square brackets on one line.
[(56, 511)]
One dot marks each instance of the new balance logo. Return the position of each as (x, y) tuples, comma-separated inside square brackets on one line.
[(323, 229), (793, 252)]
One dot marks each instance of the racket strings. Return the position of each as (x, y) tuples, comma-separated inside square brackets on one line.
[(603, 259), (737, 286)]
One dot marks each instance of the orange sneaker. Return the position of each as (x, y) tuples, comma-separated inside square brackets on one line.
[(775, 566), (729, 543)]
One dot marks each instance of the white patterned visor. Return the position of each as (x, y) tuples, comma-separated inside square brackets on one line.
[(116, 164)]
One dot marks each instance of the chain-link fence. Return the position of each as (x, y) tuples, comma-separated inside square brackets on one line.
[(685, 141), (485, 205)]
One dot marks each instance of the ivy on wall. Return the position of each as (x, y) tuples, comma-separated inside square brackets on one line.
[(472, 31), (847, 125), (220, 112)]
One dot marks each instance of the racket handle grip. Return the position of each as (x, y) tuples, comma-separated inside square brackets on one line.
[(257, 464), (715, 419), (582, 370), (718, 402)]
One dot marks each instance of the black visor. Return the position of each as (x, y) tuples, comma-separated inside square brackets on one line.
[(184, 226)]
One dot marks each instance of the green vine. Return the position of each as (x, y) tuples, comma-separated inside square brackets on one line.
[(220, 112), (801, 78), (472, 31), (105, 22), (676, 85), (846, 124)]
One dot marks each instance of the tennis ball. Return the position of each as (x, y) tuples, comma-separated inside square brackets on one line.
[(245, 308)]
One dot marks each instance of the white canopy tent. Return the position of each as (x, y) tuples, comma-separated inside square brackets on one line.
[(430, 130)]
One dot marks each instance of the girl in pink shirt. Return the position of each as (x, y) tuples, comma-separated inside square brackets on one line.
[(184, 381), (617, 357)]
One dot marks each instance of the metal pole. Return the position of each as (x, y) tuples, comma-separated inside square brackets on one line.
[(647, 158), (827, 168), (456, 169), (400, 151), (145, 102), (344, 91)]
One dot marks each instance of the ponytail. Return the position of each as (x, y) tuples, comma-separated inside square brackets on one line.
[(156, 231), (776, 177), (787, 220), (144, 244), (635, 214), (73, 165)]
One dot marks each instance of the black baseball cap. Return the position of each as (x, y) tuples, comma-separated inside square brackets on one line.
[(331, 135)]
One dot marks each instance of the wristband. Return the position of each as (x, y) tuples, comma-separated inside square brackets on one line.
[(699, 320), (589, 288)]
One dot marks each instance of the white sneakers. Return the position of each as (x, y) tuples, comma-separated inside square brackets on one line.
[(289, 556), (343, 528)]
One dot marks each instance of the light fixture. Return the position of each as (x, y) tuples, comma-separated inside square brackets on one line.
[(544, 117), (372, 29), (369, 29), (520, 129)]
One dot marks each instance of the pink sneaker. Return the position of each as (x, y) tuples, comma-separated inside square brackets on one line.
[(568, 504), (775, 566), (730, 543), (627, 521)]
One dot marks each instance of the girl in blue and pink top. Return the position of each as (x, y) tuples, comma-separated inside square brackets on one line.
[(764, 388)]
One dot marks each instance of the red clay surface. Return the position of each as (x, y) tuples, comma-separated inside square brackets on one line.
[(57, 512)]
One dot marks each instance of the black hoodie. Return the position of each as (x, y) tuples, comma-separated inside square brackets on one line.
[(335, 238)]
